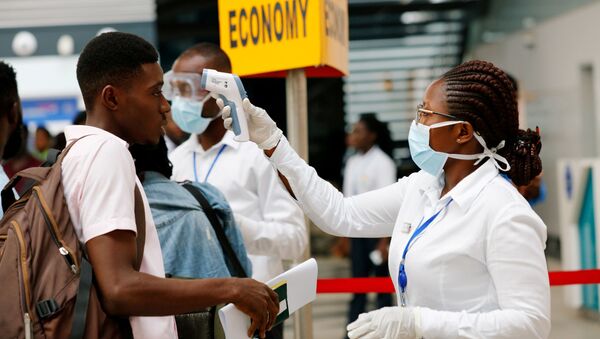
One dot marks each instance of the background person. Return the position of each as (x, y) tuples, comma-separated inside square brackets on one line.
[(370, 168), (11, 119), (23, 159), (42, 143)]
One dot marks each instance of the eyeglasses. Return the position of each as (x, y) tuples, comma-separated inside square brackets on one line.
[(425, 113)]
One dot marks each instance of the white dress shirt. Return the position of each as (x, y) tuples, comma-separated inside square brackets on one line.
[(368, 171), (478, 271), (98, 177), (271, 222)]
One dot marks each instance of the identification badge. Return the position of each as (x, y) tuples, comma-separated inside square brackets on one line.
[(406, 227)]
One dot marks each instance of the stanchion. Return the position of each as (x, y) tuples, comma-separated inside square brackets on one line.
[(297, 131)]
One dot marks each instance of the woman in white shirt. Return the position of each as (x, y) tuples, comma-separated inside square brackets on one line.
[(467, 251)]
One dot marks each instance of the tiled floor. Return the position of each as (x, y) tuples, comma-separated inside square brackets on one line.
[(329, 310)]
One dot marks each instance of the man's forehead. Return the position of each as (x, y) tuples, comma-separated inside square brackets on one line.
[(152, 72), (193, 63)]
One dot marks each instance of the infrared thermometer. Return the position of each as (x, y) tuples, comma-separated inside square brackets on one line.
[(229, 88)]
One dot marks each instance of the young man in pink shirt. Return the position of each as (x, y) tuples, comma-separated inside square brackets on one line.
[(121, 82)]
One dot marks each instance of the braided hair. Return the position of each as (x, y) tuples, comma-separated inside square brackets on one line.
[(482, 94)]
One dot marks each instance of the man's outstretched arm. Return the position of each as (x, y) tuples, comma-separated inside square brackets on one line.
[(127, 292)]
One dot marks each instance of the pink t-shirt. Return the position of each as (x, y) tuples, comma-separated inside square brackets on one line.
[(98, 181)]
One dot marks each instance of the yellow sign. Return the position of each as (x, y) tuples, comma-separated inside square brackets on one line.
[(264, 36)]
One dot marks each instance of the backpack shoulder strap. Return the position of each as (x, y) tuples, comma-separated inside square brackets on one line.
[(82, 300), (216, 224)]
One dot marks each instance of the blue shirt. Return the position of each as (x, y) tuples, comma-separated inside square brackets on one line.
[(190, 246)]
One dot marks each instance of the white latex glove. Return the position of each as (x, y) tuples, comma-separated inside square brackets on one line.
[(386, 323), (262, 129)]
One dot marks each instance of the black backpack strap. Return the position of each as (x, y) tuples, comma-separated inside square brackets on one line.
[(51, 159), (216, 224), (52, 156), (7, 195), (83, 298)]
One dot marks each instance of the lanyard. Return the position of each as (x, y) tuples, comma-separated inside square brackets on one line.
[(402, 279), (211, 165)]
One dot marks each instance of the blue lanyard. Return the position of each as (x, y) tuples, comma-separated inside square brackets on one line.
[(402, 279), (211, 165)]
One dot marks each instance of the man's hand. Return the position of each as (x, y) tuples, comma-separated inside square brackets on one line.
[(262, 129), (259, 302)]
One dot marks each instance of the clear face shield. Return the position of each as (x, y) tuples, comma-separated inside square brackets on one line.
[(184, 85)]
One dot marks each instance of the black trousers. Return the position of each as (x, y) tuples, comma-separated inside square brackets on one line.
[(276, 332)]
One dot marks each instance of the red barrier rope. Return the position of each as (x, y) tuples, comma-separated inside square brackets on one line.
[(384, 285), (574, 277)]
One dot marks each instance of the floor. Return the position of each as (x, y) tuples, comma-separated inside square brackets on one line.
[(329, 310)]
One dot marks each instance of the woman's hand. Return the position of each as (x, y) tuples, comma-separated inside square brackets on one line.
[(262, 129), (388, 322)]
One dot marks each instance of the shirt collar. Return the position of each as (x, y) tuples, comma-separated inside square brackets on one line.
[(465, 192), (78, 131), (152, 176), (370, 152), (227, 140)]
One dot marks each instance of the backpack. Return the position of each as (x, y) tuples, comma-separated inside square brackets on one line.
[(47, 282)]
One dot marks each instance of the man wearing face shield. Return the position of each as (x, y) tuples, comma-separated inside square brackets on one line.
[(11, 119), (271, 223)]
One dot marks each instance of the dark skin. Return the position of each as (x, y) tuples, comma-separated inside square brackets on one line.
[(361, 138), (9, 120), (455, 139), (136, 113), (196, 64)]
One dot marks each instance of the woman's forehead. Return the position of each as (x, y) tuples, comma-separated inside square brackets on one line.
[(435, 96)]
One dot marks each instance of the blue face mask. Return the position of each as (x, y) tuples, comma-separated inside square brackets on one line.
[(187, 114), (433, 162)]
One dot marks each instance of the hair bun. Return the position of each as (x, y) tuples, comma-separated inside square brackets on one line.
[(528, 143), (524, 156)]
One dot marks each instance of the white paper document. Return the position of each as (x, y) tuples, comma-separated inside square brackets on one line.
[(296, 288)]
